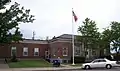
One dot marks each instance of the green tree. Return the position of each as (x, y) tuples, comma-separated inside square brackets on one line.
[(89, 33), (115, 29), (111, 35), (104, 41), (10, 18)]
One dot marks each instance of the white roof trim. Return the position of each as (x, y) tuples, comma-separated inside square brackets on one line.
[(34, 41)]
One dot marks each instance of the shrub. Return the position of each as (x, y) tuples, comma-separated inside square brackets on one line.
[(117, 57), (47, 60), (78, 59), (14, 58), (108, 57)]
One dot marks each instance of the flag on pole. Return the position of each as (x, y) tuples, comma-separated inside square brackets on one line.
[(75, 17)]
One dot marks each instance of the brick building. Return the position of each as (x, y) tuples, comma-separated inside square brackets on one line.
[(25, 49), (61, 47), (58, 47)]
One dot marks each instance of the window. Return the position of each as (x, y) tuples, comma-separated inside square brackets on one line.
[(36, 51), (95, 61), (77, 51), (65, 51), (93, 52), (102, 60), (104, 51), (99, 60), (47, 54), (13, 51), (25, 51)]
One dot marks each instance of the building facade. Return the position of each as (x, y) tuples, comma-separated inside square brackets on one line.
[(24, 49), (61, 47), (58, 47)]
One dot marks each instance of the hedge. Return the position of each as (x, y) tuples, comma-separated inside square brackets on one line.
[(78, 59)]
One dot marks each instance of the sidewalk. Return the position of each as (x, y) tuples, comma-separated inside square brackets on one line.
[(66, 67), (63, 65), (3, 65), (39, 69)]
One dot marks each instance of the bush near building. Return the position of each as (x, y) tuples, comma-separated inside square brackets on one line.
[(78, 59)]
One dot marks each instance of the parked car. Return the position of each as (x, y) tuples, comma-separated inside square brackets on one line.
[(100, 63)]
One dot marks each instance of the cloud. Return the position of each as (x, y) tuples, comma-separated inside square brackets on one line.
[(54, 17)]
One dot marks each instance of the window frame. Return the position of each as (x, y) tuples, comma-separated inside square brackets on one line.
[(77, 51), (35, 52), (95, 61), (65, 49), (24, 51), (103, 60), (13, 48)]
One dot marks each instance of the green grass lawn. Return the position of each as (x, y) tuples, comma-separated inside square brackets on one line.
[(29, 63)]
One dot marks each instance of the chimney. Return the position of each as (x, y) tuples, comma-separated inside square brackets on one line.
[(33, 35)]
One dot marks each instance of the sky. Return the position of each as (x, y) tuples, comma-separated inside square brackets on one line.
[(54, 17)]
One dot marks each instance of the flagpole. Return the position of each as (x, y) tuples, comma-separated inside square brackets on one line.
[(73, 38)]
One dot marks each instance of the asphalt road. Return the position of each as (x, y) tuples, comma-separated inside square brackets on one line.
[(113, 69)]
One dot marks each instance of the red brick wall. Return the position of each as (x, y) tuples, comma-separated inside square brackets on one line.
[(60, 45), (6, 50)]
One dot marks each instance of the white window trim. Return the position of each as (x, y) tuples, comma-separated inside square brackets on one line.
[(65, 55), (77, 51), (27, 51), (12, 49), (65, 51), (47, 54), (38, 52)]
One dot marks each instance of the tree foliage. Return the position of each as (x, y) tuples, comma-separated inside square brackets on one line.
[(115, 29), (90, 35), (92, 39), (10, 18), (104, 42), (89, 31)]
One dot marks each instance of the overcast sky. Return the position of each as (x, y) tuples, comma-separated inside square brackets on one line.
[(54, 17)]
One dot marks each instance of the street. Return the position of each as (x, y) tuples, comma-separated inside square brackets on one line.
[(113, 69)]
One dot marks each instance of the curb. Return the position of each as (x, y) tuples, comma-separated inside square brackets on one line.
[(43, 69)]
